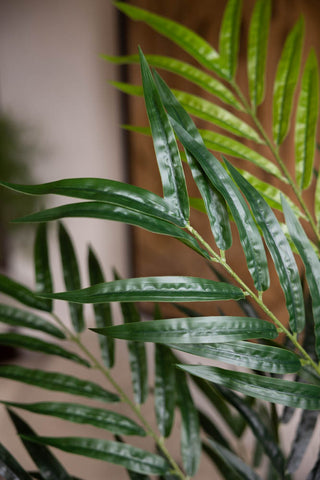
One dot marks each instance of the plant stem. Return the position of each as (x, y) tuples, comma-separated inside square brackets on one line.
[(257, 298), (124, 397)]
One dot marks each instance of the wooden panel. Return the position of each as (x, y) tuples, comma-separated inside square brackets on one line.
[(159, 255)]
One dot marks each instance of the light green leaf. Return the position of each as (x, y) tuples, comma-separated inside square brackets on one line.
[(41, 262), (286, 82), (22, 294), (285, 392), (306, 122), (188, 40), (154, 289), (186, 71), (74, 412), (257, 50), (57, 381), (312, 265), (37, 345), (229, 38), (164, 389), (247, 354), (10, 469), (280, 251), (190, 427), (22, 318), (195, 329), (103, 314), (71, 275), (122, 454), (165, 146)]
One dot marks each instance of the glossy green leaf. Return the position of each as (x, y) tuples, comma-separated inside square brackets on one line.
[(195, 329), (190, 427), (312, 265), (10, 469), (164, 389), (260, 430), (57, 381), (118, 214), (122, 454), (103, 314), (285, 392), (286, 82), (306, 122), (192, 43), (108, 191), (223, 144), (22, 293), (229, 38), (71, 275), (154, 289), (247, 354), (22, 318), (280, 251), (41, 262), (234, 461), (304, 432), (37, 345), (48, 465), (98, 417), (257, 50), (186, 71), (165, 146)]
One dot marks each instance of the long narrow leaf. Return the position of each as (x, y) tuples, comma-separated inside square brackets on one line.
[(196, 330), (103, 314), (166, 148), (286, 81), (304, 432), (10, 469), (22, 293), (306, 122), (22, 318), (164, 389), (314, 474), (257, 50), (312, 265), (223, 465), (49, 467), (71, 275), (98, 417), (229, 38), (280, 251), (41, 262), (122, 454), (190, 428), (57, 381), (285, 392)]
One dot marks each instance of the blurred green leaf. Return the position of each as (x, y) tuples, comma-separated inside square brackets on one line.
[(304, 432), (41, 262), (22, 294), (165, 387), (10, 469), (229, 38)]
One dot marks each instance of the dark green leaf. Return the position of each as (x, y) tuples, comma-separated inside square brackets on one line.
[(285, 392), (37, 345), (246, 354), (190, 434), (22, 318), (302, 439), (154, 289), (98, 417), (71, 275), (223, 466), (122, 454), (57, 381), (41, 262), (210, 428), (229, 38), (306, 122), (257, 50), (165, 146), (280, 251), (10, 469), (314, 474), (21, 293), (286, 81), (103, 314), (49, 467), (196, 330), (164, 389)]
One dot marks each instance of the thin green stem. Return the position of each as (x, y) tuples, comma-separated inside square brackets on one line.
[(124, 398)]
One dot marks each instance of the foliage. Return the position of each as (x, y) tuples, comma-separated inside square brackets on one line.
[(270, 372)]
